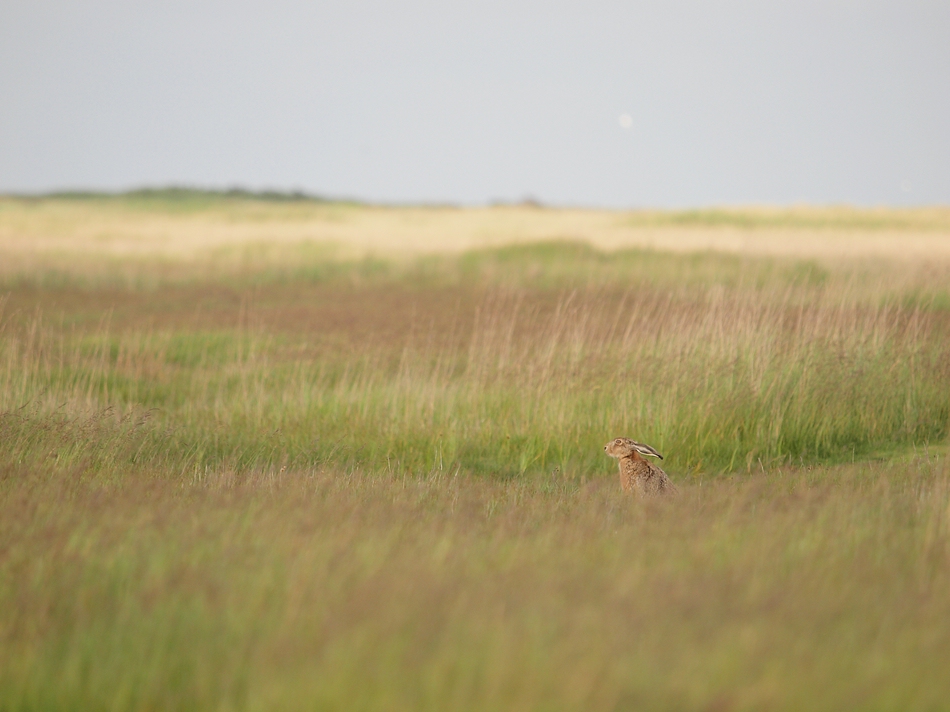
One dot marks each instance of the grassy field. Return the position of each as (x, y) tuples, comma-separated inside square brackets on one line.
[(270, 454)]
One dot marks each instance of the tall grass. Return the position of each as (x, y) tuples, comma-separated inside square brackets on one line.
[(291, 480), (717, 378)]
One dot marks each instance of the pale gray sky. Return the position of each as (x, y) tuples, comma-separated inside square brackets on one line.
[(585, 103)]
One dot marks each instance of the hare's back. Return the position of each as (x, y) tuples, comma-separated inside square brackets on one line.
[(655, 481)]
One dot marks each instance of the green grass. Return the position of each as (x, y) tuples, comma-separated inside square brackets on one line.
[(802, 218), (285, 479), (515, 381)]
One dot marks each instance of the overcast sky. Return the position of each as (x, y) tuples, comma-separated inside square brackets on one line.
[(622, 104)]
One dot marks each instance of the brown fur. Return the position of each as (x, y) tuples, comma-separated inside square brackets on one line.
[(638, 475)]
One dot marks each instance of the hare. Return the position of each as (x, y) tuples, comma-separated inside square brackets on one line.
[(636, 474)]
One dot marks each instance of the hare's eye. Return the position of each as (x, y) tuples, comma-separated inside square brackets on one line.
[(617, 441)]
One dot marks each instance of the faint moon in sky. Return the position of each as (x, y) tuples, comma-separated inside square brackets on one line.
[(625, 121)]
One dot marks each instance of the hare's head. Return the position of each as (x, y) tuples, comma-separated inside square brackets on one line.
[(625, 447)]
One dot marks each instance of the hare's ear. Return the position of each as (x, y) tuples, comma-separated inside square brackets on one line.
[(646, 450)]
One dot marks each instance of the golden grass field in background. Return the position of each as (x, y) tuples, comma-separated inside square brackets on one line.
[(161, 227)]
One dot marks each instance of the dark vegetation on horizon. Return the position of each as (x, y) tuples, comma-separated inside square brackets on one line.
[(178, 193)]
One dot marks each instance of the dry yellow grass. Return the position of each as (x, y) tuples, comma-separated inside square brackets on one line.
[(157, 228)]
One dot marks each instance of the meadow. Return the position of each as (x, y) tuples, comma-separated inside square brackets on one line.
[(259, 453)]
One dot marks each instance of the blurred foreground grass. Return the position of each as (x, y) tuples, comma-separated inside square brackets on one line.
[(820, 590), (280, 476)]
